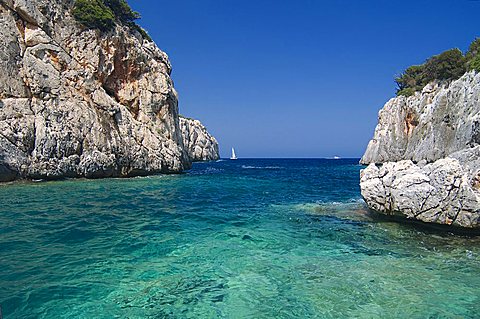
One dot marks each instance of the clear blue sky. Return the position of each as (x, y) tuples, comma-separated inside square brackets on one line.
[(298, 78)]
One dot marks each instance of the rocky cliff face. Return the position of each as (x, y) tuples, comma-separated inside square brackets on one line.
[(77, 102), (200, 145), (425, 156)]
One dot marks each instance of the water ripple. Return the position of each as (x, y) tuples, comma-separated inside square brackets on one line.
[(229, 239)]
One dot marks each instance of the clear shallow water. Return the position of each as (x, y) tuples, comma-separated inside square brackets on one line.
[(229, 239)]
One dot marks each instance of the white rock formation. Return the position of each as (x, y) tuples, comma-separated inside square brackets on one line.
[(200, 145), (425, 156), (76, 102)]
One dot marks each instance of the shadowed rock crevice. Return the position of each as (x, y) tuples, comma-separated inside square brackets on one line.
[(410, 123)]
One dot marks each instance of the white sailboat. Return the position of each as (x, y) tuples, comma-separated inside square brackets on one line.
[(233, 157)]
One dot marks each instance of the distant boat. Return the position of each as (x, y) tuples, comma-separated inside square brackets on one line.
[(336, 157), (233, 157)]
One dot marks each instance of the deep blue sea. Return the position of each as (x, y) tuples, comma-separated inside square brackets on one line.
[(252, 238)]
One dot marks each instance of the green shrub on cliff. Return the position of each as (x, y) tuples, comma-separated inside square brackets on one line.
[(407, 91), (103, 14), (122, 10), (473, 49), (473, 56), (93, 14), (447, 66), (411, 80), (474, 63)]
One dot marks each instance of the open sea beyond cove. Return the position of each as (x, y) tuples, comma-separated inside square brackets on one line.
[(251, 238)]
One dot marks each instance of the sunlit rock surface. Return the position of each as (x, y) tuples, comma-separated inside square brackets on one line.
[(200, 145), (425, 156), (79, 103)]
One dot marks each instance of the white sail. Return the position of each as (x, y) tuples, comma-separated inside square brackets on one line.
[(234, 157)]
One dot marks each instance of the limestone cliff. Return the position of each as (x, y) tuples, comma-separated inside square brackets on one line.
[(200, 145), (425, 155), (77, 102)]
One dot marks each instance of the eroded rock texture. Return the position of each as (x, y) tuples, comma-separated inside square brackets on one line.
[(200, 145), (76, 102), (425, 156)]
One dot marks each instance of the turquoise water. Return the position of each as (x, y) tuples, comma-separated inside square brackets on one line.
[(229, 239)]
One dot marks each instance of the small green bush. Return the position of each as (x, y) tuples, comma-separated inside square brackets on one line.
[(122, 10), (474, 63), (411, 78), (93, 14), (473, 49), (103, 14), (473, 56), (407, 92), (447, 66)]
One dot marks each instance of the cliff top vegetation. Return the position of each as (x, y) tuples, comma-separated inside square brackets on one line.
[(104, 14), (446, 66)]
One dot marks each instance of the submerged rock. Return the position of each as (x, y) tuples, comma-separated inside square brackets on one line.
[(76, 102), (424, 159)]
